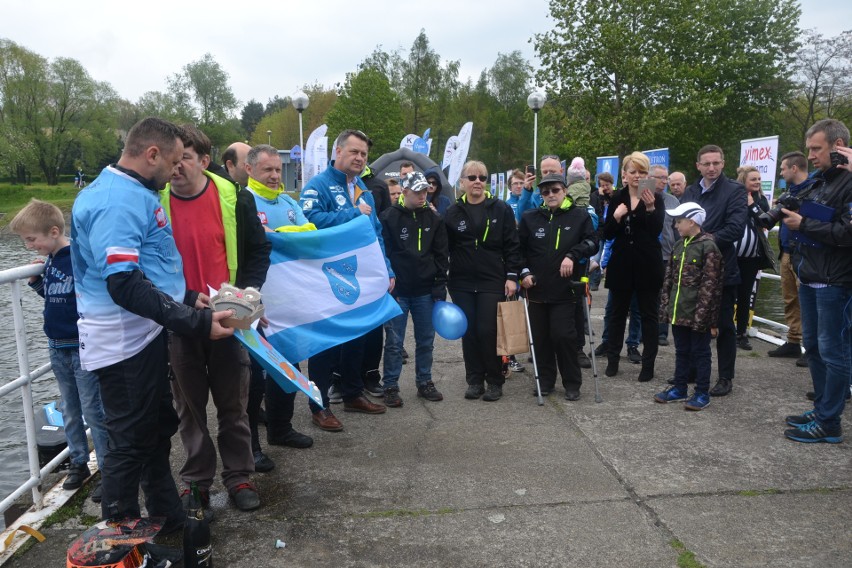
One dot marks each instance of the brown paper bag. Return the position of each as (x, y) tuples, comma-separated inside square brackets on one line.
[(511, 329)]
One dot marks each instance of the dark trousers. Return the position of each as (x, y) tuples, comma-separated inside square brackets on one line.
[(580, 323), (479, 343), (647, 302), (373, 347), (749, 268), (726, 341), (555, 342), (279, 406), (140, 421), (346, 359), (692, 354)]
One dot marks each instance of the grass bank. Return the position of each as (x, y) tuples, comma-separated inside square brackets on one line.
[(14, 197)]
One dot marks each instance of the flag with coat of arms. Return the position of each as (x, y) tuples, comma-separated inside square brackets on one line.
[(325, 287)]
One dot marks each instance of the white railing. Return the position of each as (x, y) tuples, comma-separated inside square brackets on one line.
[(754, 332), (13, 277)]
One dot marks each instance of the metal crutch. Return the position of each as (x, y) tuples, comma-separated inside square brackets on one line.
[(532, 352), (587, 302)]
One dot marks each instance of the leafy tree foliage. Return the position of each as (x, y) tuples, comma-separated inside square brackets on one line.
[(366, 102), (251, 115)]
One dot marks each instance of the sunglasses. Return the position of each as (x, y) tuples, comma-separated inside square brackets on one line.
[(474, 178), (547, 191)]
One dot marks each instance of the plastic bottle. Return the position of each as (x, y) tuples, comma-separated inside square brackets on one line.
[(197, 546)]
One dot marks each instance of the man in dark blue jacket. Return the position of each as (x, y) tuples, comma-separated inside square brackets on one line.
[(724, 200)]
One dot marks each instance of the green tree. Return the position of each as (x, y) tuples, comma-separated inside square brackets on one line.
[(251, 115), (205, 83), (284, 123), (56, 110), (366, 102), (422, 73), (628, 74)]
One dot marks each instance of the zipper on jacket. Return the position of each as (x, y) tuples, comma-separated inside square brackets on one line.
[(686, 242)]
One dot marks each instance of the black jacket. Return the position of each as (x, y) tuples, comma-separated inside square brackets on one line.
[(547, 238), (482, 257), (636, 262), (820, 249), (253, 247), (727, 209), (381, 194), (416, 245)]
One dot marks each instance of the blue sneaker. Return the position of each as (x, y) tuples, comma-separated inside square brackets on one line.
[(671, 394), (812, 432), (799, 420), (698, 401)]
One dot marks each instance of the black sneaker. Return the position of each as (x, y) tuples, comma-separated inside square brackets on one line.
[(494, 392), (334, 395), (77, 474), (262, 463), (245, 496), (585, 362), (743, 343), (633, 355), (802, 361), (205, 499), (812, 432), (292, 439), (723, 387), (372, 384), (544, 391), (663, 341), (572, 394), (797, 420), (392, 398), (97, 494), (428, 391), (600, 350), (793, 350), (515, 366), (474, 392)]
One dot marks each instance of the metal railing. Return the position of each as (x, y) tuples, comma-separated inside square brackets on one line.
[(13, 277), (754, 332)]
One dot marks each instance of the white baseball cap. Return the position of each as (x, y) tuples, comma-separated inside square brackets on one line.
[(689, 210)]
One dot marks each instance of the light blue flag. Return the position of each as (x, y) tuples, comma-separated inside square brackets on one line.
[(325, 287), (658, 157), (608, 164)]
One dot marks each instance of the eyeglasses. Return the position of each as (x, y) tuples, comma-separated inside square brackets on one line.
[(547, 191), (474, 178), (708, 164)]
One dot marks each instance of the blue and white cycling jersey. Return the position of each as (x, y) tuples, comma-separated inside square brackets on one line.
[(118, 225), (279, 213)]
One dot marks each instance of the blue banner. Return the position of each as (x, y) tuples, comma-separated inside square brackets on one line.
[(608, 164), (658, 157)]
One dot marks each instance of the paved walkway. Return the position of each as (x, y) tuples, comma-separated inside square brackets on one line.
[(623, 483)]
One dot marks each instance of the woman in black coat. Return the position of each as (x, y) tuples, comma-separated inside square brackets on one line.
[(485, 261), (555, 238), (753, 253), (636, 263)]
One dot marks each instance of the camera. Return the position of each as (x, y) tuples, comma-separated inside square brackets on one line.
[(838, 159), (784, 201)]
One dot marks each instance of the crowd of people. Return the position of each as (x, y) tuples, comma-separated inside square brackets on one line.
[(138, 352)]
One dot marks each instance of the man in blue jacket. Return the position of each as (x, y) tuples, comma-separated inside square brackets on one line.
[(333, 198), (724, 200)]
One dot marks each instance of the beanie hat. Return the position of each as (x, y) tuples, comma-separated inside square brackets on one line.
[(576, 171)]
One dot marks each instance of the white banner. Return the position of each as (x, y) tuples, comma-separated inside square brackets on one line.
[(408, 141), (315, 154), (449, 150), (460, 155), (762, 153)]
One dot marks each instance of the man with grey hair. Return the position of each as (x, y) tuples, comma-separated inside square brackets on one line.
[(275, 209), (332, 198), (660, 174), (677, 184)]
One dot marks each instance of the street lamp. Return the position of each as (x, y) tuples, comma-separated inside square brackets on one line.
[(269, 137), (536, 101), (300, 103)]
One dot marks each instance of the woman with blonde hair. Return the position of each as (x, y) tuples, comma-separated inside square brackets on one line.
[(636, 263), (485, 261), (753, 252)]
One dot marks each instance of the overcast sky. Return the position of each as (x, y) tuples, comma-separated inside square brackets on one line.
[(276, 49)]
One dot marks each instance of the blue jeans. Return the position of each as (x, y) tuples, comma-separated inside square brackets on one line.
[(81, 397), (827, 337), (692, 351), (634, 329), (424, 337)]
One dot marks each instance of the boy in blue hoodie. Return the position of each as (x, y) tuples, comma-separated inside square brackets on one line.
[(41, 226)]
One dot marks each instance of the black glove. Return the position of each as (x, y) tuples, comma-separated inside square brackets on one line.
[(439, 293)]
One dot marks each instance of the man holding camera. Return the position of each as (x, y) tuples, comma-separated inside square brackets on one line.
[(821, 242)]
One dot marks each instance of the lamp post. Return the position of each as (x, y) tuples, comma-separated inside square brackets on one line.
[(300, 103), (536, 101), (269, 137)]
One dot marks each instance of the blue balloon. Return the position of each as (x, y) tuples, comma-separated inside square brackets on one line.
[(448, 320)]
